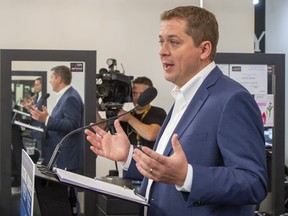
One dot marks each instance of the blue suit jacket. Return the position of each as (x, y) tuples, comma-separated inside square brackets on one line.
[(66, 116), (221, 133)]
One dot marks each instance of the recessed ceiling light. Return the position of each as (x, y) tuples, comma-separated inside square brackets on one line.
[(255, 2)]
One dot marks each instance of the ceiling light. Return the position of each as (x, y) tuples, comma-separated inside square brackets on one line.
[(255, 2)]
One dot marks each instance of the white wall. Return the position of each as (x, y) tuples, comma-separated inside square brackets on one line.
[(277, 42), (123, 29)]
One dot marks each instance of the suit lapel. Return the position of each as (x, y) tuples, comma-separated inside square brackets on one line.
[(193, 108), (188, 116)]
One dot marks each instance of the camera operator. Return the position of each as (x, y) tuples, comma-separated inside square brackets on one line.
[(143, 125)]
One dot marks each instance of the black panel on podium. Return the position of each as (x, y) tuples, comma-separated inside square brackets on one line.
[(52, 195), (108, 205), (111, 206)]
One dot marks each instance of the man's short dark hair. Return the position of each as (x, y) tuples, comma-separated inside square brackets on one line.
[(143, 80), (201, 24), (64, 72)]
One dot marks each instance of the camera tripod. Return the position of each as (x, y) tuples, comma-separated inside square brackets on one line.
[(112, 110)]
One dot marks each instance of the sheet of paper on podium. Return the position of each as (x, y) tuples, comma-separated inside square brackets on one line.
[(100, 186), (28, 126)]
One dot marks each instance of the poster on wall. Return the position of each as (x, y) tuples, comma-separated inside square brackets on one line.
[(252, 77), (266, 105)]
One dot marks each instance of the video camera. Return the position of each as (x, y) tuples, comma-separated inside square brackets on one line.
[(113, 87)]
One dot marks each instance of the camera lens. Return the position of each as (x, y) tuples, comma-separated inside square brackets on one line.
[(102, 90)]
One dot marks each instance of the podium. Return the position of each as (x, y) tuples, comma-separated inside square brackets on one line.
[(51, 189), (53, 198), (114, 195)]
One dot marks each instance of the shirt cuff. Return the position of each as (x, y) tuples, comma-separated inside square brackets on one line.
[(187, 186), (46, 122), (126, 165)]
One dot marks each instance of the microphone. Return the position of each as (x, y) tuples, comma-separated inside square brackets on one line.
[(144, 99), (46, 96)]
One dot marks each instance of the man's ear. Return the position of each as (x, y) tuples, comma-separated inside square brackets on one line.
[(59, 79), (206, 48)]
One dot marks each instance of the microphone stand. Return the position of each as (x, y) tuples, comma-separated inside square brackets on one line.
[(111, 109)]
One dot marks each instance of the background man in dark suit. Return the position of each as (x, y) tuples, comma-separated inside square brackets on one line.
[(39, 102), (36, 100), (209, 157)]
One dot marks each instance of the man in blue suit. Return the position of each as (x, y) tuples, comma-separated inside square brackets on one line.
[(209, 157), (66, 116)]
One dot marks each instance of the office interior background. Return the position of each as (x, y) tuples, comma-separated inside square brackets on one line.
[(127, 30)]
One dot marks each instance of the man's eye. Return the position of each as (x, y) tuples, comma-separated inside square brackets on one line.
[(173, 42)]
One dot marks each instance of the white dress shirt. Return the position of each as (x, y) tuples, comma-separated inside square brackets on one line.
[(39, 95), (58, 96)]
